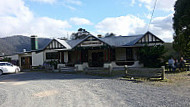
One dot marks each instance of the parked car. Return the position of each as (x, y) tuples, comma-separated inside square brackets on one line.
[(6, 67)]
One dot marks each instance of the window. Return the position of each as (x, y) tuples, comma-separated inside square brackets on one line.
[(129, 54), (8, 64), (2, 64), (52, 55), (112, 54)]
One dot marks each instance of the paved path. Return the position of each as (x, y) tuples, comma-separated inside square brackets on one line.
[(78, 90)]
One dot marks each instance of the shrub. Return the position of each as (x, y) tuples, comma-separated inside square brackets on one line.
[(151, 57)]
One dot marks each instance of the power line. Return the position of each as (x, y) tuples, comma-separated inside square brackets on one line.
[(152, 14)]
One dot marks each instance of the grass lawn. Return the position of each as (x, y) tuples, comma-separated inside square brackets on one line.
[(172, 79)]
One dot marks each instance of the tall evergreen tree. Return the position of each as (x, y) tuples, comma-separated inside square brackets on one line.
[(82, 33), (181, 27)]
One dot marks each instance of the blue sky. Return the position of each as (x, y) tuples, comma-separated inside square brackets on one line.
[(57, 18)]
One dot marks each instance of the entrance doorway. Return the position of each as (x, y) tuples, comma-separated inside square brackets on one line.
[(97, 59), (26, 62)]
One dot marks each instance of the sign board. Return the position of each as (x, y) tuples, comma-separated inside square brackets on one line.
[(91, 42)]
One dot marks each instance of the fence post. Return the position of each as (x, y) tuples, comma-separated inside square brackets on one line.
[(110, 69), (59, 68), (126, 69), (163, 72)]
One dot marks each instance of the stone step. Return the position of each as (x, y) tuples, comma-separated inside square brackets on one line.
[(95, 68), (118, 69), (67, 69)]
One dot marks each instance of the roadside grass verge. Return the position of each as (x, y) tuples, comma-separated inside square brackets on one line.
[(171, 78), (105, 73), (177, 79)]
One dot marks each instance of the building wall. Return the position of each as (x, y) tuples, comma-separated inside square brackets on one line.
[(66, 59), (120, 54), (44, 54), (13, 57), (37, 58), (135, 52), (92, 51)]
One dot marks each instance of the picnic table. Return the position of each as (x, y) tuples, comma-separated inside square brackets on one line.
[(186, 67)]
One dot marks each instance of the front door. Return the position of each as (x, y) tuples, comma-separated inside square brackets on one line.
[(26, 62), (97, 59)]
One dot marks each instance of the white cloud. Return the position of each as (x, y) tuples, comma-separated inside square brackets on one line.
[(80, 21), (17, 19), (45, 26), (45, 1), (123, 25), (148, 16), (75, 2), (162, 26), (140, 5), (132, 2), (129, 25), (165, 5), (71, 4)]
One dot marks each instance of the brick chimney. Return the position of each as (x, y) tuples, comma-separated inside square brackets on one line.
[(34, 43)]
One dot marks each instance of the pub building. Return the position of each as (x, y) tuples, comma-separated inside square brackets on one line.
[(91, 51)]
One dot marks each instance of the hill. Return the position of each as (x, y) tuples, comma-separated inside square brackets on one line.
[(170, 51), (10, 45)]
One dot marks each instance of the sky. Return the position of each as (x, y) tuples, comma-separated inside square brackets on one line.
[(60, 18)]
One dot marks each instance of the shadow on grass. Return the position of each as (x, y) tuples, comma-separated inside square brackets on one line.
[(106, 73), (29, 76)]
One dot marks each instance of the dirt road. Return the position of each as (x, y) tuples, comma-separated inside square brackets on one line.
[(37, 89)]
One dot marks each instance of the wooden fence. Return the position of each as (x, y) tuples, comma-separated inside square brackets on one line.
[(146, 72)]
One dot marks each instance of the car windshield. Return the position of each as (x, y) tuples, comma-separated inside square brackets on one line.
[(2, 64), (8, 64)]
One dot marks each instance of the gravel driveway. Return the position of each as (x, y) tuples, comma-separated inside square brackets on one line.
[(38, 89)]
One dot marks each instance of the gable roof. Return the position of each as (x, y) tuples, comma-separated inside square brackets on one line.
[(114, 41), (122, 40), (64, 43), (74, 43)]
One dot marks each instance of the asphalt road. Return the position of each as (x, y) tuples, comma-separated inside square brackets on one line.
[(37, 89)]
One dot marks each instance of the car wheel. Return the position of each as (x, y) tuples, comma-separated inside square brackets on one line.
[(16, 70), (1, 72)]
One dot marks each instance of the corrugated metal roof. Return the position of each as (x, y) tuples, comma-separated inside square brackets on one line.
[(112, 41), (75, 42), (122, 40)]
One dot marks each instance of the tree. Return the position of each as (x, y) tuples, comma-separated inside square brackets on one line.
[(181, 27), (110, 34), (82, 33), (151, 56)]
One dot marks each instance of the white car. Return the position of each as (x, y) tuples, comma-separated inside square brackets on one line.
[(6, 67)]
